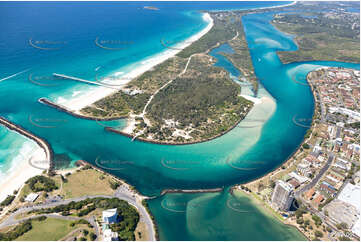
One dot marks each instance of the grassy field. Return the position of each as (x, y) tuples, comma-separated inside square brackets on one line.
[(49, 229), (141, 232), (86, 182)]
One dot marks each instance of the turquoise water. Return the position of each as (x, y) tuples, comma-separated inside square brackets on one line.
[(225, 161), (221, 216), (13, 149), (216, 217)]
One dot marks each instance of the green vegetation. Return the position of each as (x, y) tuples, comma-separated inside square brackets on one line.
[(16, 232), (201, 103), (121, 104), (204, 100), (300, 212), (41, 228), (86, 182), (128, 216), (114, 185), (86, 210), (344, 238), (241, 58), (355, 125), (152, 80), (7, 201), (47, 229), (327, 36), (92, 236), (223, 30), (317, 220), (117, 105), (342, 226), (80, 221), (318, 234), (306, 146), (41, 183)]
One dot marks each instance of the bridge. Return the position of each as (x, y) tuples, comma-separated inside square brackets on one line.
[(83, 80)]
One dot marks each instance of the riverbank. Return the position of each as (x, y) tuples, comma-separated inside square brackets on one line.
[(283, 167), (263, 108), (29, 162), (139, 138), (268, 211), (77, 103)]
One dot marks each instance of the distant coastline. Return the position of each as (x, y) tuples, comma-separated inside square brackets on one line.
[(256, 8)]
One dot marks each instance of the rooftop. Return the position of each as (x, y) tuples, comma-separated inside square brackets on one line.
[(351, 195), (31, 197)]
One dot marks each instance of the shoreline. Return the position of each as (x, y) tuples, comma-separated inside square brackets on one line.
[(289, 159), (19, 173), (264, 100), (77, 103), (64, 109), (261, 8), (141, 139), (264, 209)]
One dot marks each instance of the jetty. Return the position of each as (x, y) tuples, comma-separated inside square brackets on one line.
[(41, 142), (220, 189), (83, 80)]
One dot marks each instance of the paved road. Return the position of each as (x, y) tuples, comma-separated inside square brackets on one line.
[(315, 180), (299, 192), (144, 216)]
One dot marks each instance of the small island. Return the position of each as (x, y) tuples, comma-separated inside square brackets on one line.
[(150, 8)]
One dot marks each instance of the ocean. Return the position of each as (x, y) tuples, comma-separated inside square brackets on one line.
[(43, 38)]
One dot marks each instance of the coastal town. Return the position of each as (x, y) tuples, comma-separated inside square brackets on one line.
[(318, 188)]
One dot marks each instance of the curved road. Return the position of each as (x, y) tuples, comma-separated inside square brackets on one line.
[(134, 201)]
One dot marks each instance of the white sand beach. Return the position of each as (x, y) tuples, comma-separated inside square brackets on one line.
[(96, 93), (249, 130), (21, 170), (252, 99)]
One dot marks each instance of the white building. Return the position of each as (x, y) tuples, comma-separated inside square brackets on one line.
[(351, 194), (342, 164), (31, 197), (109, 235), (317, 149), (332, 131), (345, 111), (304, 168), (110, 216), (300, 179), (282, 195)]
